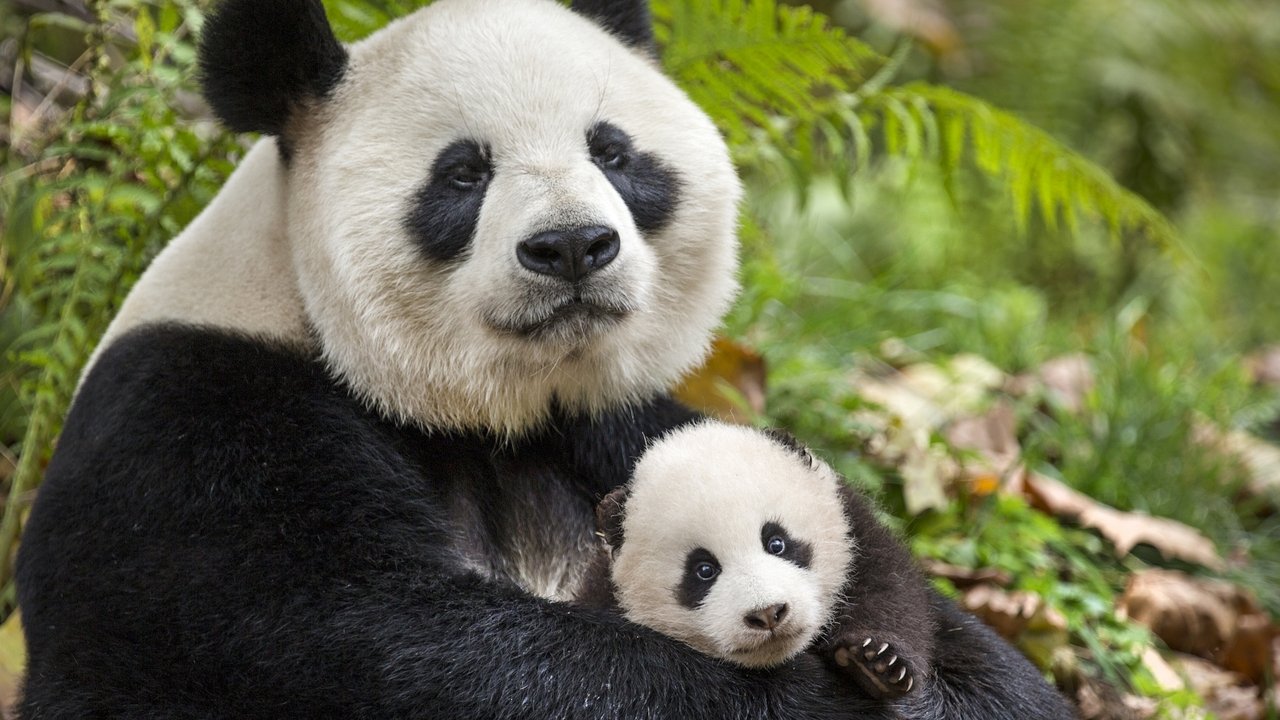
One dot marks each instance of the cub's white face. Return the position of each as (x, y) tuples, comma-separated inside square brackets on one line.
[(422, 192), (733, 544)]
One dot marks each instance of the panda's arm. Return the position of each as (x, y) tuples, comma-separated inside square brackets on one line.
[(886, 627), (224, 533)]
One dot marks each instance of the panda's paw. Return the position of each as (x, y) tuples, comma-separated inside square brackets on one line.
[(875, 665)]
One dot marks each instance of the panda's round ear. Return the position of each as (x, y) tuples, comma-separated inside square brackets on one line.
[(609, 513), (263, 60), (789, 441), (629, 20)]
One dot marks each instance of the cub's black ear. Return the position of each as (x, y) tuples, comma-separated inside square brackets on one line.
[(609, 513), (789, 441), (263, 60), (628, 19)]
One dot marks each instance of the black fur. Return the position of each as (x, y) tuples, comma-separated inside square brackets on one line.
[(627, 19), (796, 550), (648, 186), (224, 531), (886, 600), (791, 444), (445, 210), (693, 589), (609, 514), (262, 61)]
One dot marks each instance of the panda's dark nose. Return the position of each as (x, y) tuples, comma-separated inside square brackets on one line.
[(571, 254), (767, 618)]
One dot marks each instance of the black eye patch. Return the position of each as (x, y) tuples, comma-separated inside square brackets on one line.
[(775, 541), (445, 210), (649, 187), (697, 582)]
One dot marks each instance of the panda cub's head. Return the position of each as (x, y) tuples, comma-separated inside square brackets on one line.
[(493, 208), (731, 540)]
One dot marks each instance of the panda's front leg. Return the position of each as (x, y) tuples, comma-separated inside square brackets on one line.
[(884, 633), (879, 667)]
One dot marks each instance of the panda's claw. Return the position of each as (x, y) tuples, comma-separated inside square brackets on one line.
[(876, 666)]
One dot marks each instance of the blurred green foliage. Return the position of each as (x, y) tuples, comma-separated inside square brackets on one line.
[(905, 184)]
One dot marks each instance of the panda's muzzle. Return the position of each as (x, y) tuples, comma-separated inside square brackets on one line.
[(570, 254)]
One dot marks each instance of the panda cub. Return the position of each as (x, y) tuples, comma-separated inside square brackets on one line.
[(746, 547)]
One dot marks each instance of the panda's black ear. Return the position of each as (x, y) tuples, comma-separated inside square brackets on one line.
[(263, 60), (789, 441), (628, 19), (609, 513)]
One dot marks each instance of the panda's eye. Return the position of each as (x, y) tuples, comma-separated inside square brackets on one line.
[(467, 177), (776, 545), (611, 156), (705, 571)]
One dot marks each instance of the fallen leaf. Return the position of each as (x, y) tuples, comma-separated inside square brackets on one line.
[(1189, 614), (1124, 530), (1022, 617), (1065, 381), (992, 438), (926, 470), (1264, 365), (963, 577), (1226, 694), (1166, 677), (1249, 651), (730, 385), (926, 395), (1259, 458)]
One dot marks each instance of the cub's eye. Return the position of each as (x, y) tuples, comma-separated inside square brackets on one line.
[(611, 156), (706, 571), (776, 545), (467, 177)]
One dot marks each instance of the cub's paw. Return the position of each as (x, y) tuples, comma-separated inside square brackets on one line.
[(875, 665)]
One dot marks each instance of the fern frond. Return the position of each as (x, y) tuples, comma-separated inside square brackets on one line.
[(1038, 172), (782, 83), (762, 70)]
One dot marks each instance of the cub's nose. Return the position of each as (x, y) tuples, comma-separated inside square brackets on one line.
[(571, 254), (767, 618)]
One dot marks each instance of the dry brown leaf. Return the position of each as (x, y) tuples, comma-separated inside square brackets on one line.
[(1249, 652), (1189, 614), (992, 437), (1124, 530), (1021, 617), (926, 470), (1264, 365), (1259, 458), (927, 396), (963, 577), (1226, 694), (1166, 677), (1065, 381), (730, 385)]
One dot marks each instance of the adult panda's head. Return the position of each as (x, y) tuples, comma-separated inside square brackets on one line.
[(493, 207), (731, 540)]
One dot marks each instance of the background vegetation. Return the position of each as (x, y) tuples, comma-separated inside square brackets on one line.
[(931, 182)]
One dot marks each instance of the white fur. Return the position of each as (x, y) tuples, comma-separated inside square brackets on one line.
[(230, 267), (529, 78), (714, 486), (417, 340)]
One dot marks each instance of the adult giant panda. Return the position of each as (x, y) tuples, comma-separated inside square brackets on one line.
[(338, 454)]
